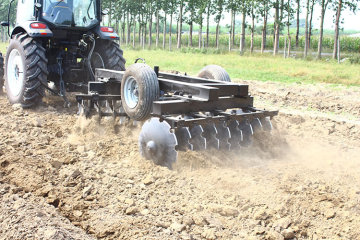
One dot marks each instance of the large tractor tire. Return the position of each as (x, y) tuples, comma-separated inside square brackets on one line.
[(214, 72), (1, 73), (139, 89), (108, 54), (26, 71)]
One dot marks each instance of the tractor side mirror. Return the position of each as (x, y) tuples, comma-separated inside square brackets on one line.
[(5, 24), (105, 12)]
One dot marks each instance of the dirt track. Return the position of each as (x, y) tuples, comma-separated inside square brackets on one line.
[(302, 182)]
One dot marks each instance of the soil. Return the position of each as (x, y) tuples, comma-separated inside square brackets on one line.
[(65, 177)]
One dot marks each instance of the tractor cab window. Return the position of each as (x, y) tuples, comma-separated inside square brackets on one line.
[(72, 13)]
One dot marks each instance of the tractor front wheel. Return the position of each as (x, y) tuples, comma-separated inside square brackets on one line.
[(25, 71)]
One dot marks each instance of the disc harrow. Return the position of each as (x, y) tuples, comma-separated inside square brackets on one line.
[(184, 113)]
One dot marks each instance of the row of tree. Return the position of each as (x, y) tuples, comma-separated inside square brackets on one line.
[(141, 18)]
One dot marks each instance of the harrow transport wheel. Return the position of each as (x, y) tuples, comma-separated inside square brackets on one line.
[(214, 72), (139, 89), (1, 73), (110, 54), (157, 142), (26, 71)]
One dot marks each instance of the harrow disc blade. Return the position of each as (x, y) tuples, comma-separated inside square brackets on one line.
[(197, 139), (247, 132), (210, 133), (223, 135), (256, 125), (236, 134), (183, 137), (266, 123), (157, 142)]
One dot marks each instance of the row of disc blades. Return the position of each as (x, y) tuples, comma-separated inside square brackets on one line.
[(158, 142)]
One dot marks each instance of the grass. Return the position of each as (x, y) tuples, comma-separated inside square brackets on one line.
[(255, 67), (249, 67)]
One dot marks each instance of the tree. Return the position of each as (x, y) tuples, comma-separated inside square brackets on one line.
[(297, 22), (180, 23), (244, 10), (279, 14), (200, 19), (324, 6), (264, 8), (306, 48), (290, 14), (339, 6), (219, 7)]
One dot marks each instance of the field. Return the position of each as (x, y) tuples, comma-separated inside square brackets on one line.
[(66, 177)]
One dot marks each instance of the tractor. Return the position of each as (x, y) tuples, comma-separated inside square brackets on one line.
[(56, 45), (60, 46)]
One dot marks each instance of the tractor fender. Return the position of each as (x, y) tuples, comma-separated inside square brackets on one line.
[(106, 35), (32, 32)]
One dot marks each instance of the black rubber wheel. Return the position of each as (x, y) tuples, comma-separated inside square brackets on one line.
[(26, 71), (139, 89), (214, 72), (111, 54), (1, 73)]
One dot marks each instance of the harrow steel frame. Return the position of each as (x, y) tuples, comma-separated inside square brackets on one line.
[(180, 95)]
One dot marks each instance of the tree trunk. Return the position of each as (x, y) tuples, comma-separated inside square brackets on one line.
[(252, 30), (243, 26), (288, 30), (200, 31), (306, 48), (311, 20), (150, 29), (157, 28), (170, 31), (278, 23), (134, 31), (208, 25), (217, 34), (180, 24), (337, 23), (128, 30), (191, 35), (231, 29), (264, 29), (297, 23), (324, 4), (164, 32)]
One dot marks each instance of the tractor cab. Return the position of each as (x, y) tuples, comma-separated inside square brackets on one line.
[(70, 13), (60, 13)]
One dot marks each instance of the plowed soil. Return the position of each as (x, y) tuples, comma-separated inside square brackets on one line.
[(64, 177)]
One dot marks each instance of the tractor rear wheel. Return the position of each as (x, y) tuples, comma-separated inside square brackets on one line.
[(214, 72), (26, 71), (1, 73), (139, 89), (109, 54)]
